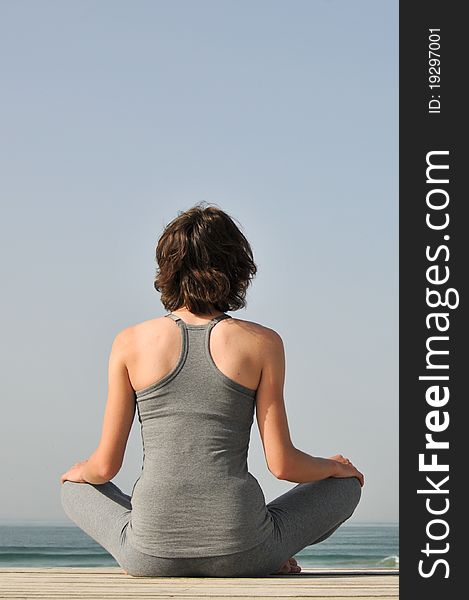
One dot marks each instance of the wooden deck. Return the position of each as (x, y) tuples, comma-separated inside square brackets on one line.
[(99, 583)]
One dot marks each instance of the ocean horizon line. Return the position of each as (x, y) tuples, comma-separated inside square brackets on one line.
[(68, 523)]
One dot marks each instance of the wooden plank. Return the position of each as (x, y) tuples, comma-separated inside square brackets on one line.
[(97, 583)]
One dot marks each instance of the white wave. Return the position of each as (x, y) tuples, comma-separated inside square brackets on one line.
[(390, 561)]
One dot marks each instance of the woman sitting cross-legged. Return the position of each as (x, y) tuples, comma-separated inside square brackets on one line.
[(195, 376)]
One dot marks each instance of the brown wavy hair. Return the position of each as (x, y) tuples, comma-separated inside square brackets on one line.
[(205, 263)]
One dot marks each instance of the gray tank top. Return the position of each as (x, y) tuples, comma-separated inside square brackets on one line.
[(195, 496)]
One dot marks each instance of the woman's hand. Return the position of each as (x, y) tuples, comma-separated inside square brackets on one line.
[(346, 469), (74, 473)]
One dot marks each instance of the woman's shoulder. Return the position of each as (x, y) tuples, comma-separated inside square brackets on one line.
[(263, 332), (136, 328), (133, 335)]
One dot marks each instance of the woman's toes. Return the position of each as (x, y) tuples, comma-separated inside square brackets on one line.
[(294, 566), (290, 566)]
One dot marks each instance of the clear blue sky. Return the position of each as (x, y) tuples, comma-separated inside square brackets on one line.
[(116, 115)]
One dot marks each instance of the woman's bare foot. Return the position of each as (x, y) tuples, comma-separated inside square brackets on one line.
[(290, 566)]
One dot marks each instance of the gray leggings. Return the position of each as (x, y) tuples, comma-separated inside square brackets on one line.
[(304, 515)]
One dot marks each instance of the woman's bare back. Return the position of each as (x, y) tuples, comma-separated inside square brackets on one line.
[(235, 347)]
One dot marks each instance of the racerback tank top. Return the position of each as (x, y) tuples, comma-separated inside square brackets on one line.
[(195, 496)]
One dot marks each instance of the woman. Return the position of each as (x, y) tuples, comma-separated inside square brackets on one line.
[(195, 376)]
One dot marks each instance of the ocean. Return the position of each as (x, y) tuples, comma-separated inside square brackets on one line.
[(371, 545)]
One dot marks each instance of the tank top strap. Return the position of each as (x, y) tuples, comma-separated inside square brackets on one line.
[(218, 318), (173, 317), (208, 324)]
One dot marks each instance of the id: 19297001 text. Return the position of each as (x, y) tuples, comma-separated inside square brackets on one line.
[(434, 73)]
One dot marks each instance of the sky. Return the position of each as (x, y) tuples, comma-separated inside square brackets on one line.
[(115, 116)]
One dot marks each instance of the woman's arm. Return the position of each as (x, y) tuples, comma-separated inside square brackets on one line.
[(283, 459), (106, 461), (303, 467)]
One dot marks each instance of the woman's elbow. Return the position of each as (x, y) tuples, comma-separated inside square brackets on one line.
[(281, 468)]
